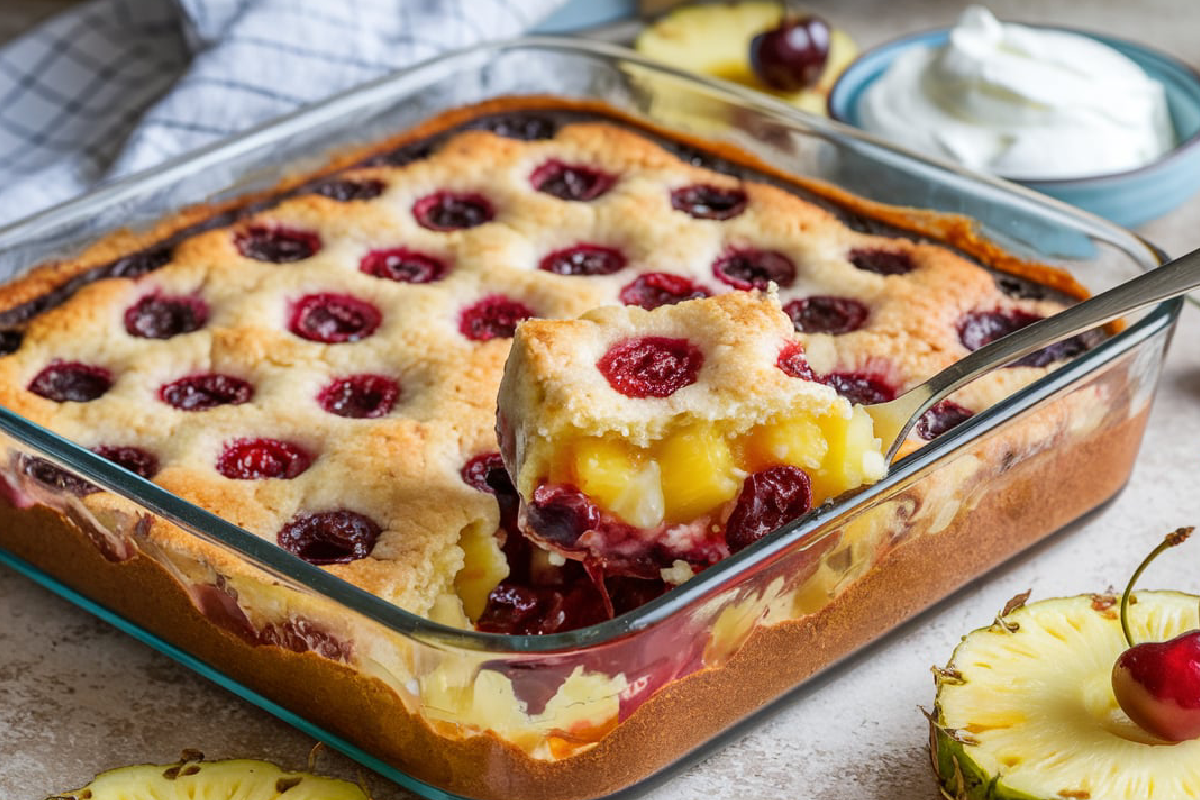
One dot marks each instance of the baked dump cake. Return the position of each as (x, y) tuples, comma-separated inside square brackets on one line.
[(321, 367)]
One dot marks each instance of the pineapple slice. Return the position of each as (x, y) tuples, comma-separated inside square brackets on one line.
[(714, 39), (193, 779), (698, 473), (1025, 709)]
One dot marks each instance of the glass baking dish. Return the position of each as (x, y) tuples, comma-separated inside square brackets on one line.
[(597, 711)]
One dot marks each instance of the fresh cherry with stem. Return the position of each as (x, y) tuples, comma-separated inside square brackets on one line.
[(1158, 683), (792, 55)]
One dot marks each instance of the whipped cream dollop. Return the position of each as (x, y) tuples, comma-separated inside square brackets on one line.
[(1021, 102)]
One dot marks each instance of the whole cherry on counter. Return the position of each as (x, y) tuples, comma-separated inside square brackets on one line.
[(792, 55)]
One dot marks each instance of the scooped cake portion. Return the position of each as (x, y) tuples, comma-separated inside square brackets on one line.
[(655, 443)]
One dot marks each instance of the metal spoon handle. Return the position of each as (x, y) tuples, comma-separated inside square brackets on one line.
[(895, 419)]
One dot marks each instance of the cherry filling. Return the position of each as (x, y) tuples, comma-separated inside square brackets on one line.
[(524, 128), (330, 537), (859, 387), (71, 382), (201, 392), (348, 190), (561, 514), (485, 473), (826, 314), (940, 418), (703, 201), (360, 396), (136, 265), (755, 269), (584, 259), (250, 459), (57, 478), (135, 459), (10, 341), (769, 499), (403, 266), (793, 362), (882, 262), (574, 182), (656, 289), (979, 328), (651, 366), (301, 636), (161, 317), (493, 317), (452, 211), (276, 244), (333, 318)]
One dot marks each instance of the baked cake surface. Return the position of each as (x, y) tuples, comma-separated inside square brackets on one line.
[(324, 371)]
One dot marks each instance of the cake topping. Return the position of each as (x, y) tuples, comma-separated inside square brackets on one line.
[(940, 418), (768, 499), (755, 269), (333, 318), (158, 316), (276, 244), (656, 289), (571, 181), (200, 392), (330, 537), (826, 314), (704, 201), (135, 459), (793, 362), (882, 262), (452, 211), (493, 317), (248, 459), (403, 265), (347, 190), (360, 396), (651, 366), (71, 382), (860, 387), (584, 259)]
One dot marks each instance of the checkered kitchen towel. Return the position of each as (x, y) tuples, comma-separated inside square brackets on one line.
[(115, 86)]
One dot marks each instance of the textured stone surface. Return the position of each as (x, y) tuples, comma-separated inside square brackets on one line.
[(77, 697)]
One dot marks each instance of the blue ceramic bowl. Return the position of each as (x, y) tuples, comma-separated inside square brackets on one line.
[(1127, 198)]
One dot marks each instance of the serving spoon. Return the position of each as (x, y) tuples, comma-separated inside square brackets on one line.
[(894, 419)]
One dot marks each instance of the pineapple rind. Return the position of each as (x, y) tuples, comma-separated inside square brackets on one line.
[(1034, 716), (239, 779)]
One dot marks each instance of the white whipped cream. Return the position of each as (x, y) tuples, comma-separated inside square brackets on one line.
[(1021, 102)]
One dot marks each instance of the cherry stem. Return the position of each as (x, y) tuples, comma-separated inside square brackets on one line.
[(1175, 537)]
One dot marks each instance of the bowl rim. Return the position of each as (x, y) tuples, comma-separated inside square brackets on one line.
[(904, 41)]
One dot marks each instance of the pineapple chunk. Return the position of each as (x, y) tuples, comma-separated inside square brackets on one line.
[(853, 457), (698, 473), (798, 442), (484, 566), (620, 479)]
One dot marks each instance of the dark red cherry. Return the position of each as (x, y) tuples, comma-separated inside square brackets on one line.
[(201, 392), (330, 537), (977, 328), (55, 477), (523, 127), (651, 366), (302, 636), (249, 459), (276, 244), (882, 262), (584, 259), (940, 418), (768, 499), (10, 341), (135, 459), (333, 318), (71, 382), (485, 472), (793, 362), (348, 190), (136, 265), (561, 514), (792, 55), (859, 387), (826, 314), (656, 289), (452, 211), (571, 181), (755, 269), (704, 201), (158, 316), (493, 317), (360, 396), (403, 266)]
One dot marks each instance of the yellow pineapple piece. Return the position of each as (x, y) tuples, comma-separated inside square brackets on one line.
[(698, 472), (619, 478), (484, 566), (853, 457), (797, 441)]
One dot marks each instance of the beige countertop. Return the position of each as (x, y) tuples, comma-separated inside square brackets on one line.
[(79, 697)]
